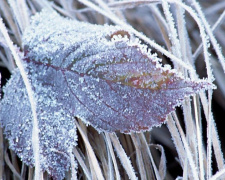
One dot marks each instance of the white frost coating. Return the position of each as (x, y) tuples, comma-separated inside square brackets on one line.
[(115, 19), (210, 33), (101, 65), (97, 73), (176, 48), (203, 36), (56, 128)]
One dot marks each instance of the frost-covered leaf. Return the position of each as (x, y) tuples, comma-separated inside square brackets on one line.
[(57, 130), (100, 74), (110, 80)]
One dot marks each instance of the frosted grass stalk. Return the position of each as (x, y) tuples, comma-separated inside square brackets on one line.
[(209, 136), (218, 175), (199, 139), (202, 33), (184, 38), (20, 12), (217, 146), (91, 153), (190, 129), (16, 14), (125, 161), (210, 77), (209, 31), (172, 30), (139, 157), (186, 147), (217, 23), (162, 164), (35, 131), (125, 4), (216, 142), (150, 155), (109, 145), (110, 166), (82, 164), (177, 141), (215, 8)]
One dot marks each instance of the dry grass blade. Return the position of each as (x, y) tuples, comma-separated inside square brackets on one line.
[(109, 145), (7, 160), (82, 163), (219, 175), (217, 23), (125, 161), (162, 164), (199, 139), (94, 162), (140, 161), (187, 148), (210, 34), (130, 4), (146, 146)]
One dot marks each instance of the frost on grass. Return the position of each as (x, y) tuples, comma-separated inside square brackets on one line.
[(101, 74)]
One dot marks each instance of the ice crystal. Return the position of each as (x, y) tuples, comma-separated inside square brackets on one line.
[(101, 74)]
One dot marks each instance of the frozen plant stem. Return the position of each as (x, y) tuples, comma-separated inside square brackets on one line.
[(35, 135), (209, 137), (216, 46), (202, 33), (199, 139), (186, 146), (217, 23), (109, 144), (125, 161)]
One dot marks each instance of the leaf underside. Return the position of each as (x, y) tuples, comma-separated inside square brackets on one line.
[(101, 74)]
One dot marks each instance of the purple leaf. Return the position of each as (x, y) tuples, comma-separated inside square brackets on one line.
[(101, 74), (57, 129)]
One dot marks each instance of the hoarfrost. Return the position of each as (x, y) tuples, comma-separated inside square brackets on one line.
[(56, 130), (99, 73), (99, 66)]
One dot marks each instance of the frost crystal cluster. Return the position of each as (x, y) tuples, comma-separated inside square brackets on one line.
[(101, 74)]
